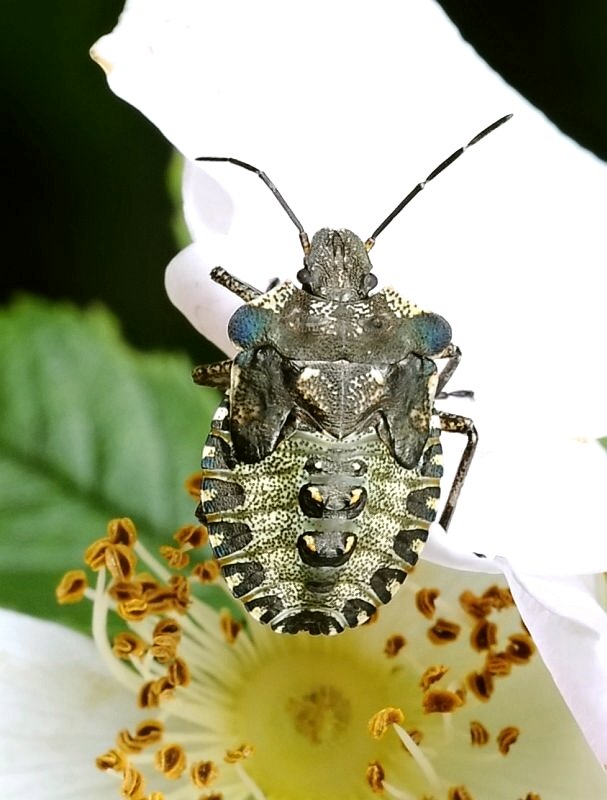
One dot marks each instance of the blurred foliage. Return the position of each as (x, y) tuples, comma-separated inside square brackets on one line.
[(89, 430)]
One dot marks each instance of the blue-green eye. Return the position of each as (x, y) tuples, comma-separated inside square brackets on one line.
[(433, 331), (247, 326)]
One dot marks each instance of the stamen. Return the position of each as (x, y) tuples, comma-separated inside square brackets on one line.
[(175, 557), (481, 685), (192, 535), (479, 735), (381, 721), (432, 675), (521, 648), (375, 777), (484, 635), (500, 597), (443, 632), (171, 761), (204, 773), (178, 673), (122, 531), (506, 738), (425, 601), (208, 571), (193, 483), (498, 664), (132, 784), (230, 627), (239, 753), (459, 793), (441, 701), (394, 645), (420, 758), (72, 587), (112, 760)]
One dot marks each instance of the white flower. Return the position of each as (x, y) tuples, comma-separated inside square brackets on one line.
[(442, 696), (346, 108)]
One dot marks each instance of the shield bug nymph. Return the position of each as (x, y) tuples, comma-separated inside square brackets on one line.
[(321, 472)]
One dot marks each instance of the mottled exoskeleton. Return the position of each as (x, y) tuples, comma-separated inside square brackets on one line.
[(321, 472)]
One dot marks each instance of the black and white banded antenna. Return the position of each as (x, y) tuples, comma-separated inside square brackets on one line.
[(303, 236), (422, 185)]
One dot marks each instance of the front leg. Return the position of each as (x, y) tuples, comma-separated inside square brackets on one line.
[(216, 375), (453, 423), (454, 354)]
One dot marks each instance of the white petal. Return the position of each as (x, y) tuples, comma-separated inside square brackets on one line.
[(58, 711), (346, 116), (537, 501), (570, 630)]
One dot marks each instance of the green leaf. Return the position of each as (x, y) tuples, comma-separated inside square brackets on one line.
[(89, 430)]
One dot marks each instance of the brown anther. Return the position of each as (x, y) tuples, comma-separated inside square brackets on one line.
[(506, 738), (443, 631), (160, 601), (122, 531), (167, 626), (498, 664), (126, 742), (181, 592), (153, 693), (133, 610), (212, 796), (178, 673), (128, 645), (230, 627), (238, 754), (171, 761), (149, 732), (204, 773), (481, 685), (193, 484), (120, 591), (71, 587), (375, 776), (474, 605), (192, 535), (432, 675), (520, 649), (500, 597), (94, 555), (111, 760), (208, 571), (531, 796), (441, 701), (156, 796), (484, 635), (425, 600), (479, 735), (120, 561), (416, 735), (174, 557), (164, 646), (382, 720), (394, 644), (459, 793), (132, 784)]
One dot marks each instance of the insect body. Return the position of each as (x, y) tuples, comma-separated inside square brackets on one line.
[(321, 472)]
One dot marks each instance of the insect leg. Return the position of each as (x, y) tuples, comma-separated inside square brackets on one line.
[(453, 423), (235, 285), (454, 354), (216, 375)]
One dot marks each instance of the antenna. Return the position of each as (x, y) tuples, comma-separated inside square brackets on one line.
[(447, 162), (303, 236)]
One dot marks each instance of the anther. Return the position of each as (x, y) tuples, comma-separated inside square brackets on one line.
[(375, 776), (481, 685), (382, 720), (208, 571), (479, 735), (132, 784), (459, 793), (230, 627), (441, 701), (175, 557), (192, 535), (204, 773), (432, 675), (238, 754), (425, 601), (171, 761), (72, 587), (484, 635), (443, 631), (122, 531), (506, 738), (128, 645), (521, 648), (394, 644)]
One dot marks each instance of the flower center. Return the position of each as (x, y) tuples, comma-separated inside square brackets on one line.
[(320, 715)]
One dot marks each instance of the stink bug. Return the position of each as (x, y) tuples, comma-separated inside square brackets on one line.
[(321, 472)]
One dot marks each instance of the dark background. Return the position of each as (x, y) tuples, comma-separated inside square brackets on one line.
[(88, 213)]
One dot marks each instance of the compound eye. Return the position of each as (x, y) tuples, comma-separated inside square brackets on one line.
[(303, 276)]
